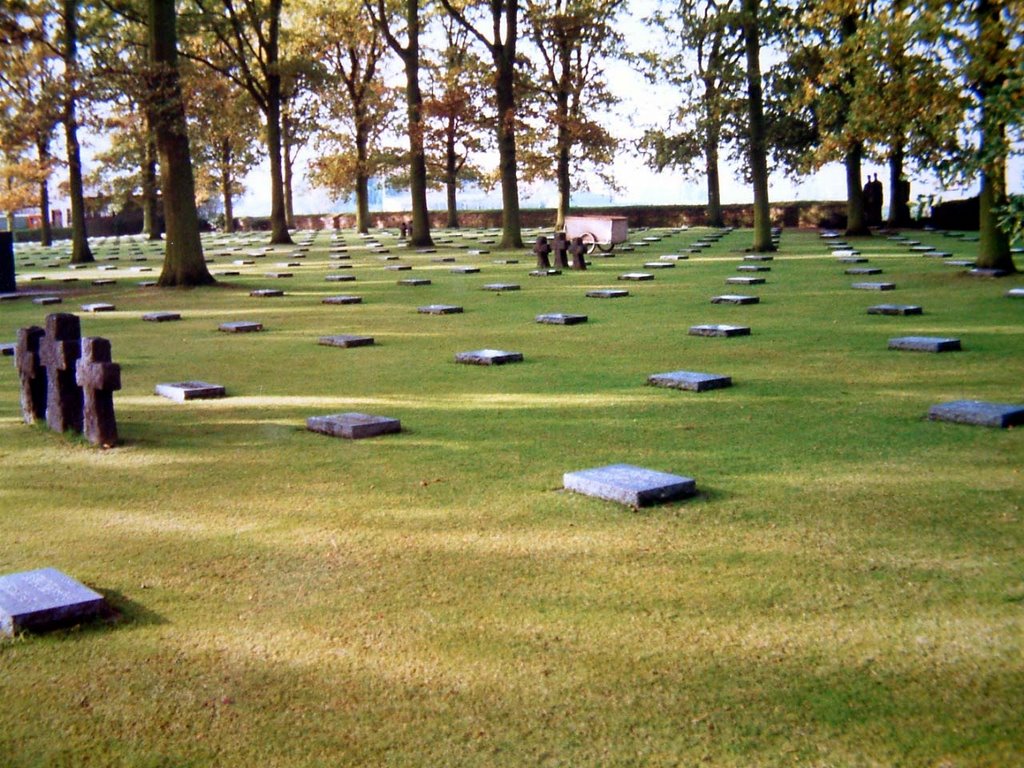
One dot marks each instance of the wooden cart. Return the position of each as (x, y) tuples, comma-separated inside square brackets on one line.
[(602, 232)]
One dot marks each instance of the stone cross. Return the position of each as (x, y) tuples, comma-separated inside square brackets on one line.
[(31, 373), (560, 246), (58, 351), (577, 249), (542, 249), (99, 379), (403, 230)]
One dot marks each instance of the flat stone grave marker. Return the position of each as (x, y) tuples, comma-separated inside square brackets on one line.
[(102, 267), (488, 357), (1015, 293), (921, 248), (104, 281), (241, 326), (141, 269), (443, 260), (243, 262), (629, 484), (753, 268), (745, 280), (690, 380), (440, 309), (478, 252), (938, 254), (981, 272), (924, 344), (180, 391), (874, 286), (414, 281), (674, 257), (426, 250), (45, 599), (864, 271), (266, 293), (353, 426), (895, 309), (845, 253), (398, 267), (506, 261), (560, 318), (545, 272), (228, 273), (979, 413), (279, 275), (161, 317), (636, 276), (959, 263), (289, 264), (501, 287), (607, 293), (735, 298), (7, 349), (852, 260), (98, 307), (659, 265), (758, 257), (719, 330), (340, 278), (342, 300), (345, 340), (465, 270)]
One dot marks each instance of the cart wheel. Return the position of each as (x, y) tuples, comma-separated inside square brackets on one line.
[(589, 241), (606, 247)]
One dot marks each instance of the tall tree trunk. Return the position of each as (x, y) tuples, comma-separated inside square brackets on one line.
[(45, 229), (80, 251), (562, 143), (856, 221), (362, 177), (993, 241), (183, 255), (451, 176), (289, 161), (758, 152), (420, 235), (227, 184), (899, 210), (150, 208), (278, 221), (712, 137), (504, 92)]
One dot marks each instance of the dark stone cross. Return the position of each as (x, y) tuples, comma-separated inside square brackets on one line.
[(32, 373), (99, 379), (542, 249), (560, 247), (58, 351), (578, 249), (403, 229)]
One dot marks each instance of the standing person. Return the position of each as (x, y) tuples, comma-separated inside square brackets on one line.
[(869, 202)]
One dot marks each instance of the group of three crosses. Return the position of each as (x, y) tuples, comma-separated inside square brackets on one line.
[(560, 246), (67, 380)]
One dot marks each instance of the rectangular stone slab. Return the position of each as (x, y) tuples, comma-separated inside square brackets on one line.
[(7, 349), (181, 391), (47, 300), (719, 330), (161, 317), (607, 294), (99, 307), (758, 257), (488, 357), (753, 268), (629, 484), (895, 309), (353, 426), (978, 412), (924, 344), (45, 599), (414, 281), (561, 318), (346, 340), (637, 276), (874, 286), (545, 272), (1015, 293), (340, 278), (465, 270), (278, 275), (864, 271), (690, 380), (266, 293), (659, 265), (735, 298), (501, 287), (241, 326), (439, 309), (342, 300)]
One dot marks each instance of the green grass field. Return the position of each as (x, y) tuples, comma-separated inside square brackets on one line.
[(847, 589)]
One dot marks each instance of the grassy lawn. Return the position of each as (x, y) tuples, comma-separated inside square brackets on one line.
[(847, 589)]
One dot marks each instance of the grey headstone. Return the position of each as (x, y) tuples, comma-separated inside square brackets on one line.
[(659, 264), (545, 272), (560, 318), (414, 281), (45, 599), (745, 280), (443, 260), (938, 254), (345, 340), (982, 272), (895, 309), (353, 426), (753, 268), (488, 357), (924, 344), (104, 281), (978, 412), (1015, 293), (241, 326), (852, 260), (440, 309), (864, 271), (674, 257), (607, 293), (959, 263), (719, 330), (874, 286), (630, 485), (161, 317), (465, 270), (506, 261), (98, 307), (278, 275), (758, 257), (733, 298), (7, 349), (501, 287), (181, 391), (266, 293), (342, 300), (45, 301), (690, 380), (636, 276)]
